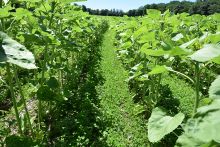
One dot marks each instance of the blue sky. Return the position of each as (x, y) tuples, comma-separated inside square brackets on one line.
[(120, 4)]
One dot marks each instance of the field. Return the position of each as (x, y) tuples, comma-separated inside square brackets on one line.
[(71, 79)]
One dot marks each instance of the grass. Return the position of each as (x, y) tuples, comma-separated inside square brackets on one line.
[(125, 128), (181, 91)]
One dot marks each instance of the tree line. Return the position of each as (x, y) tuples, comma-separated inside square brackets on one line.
[(203, 7)]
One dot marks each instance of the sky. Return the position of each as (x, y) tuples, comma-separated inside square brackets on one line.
[(124, 5)]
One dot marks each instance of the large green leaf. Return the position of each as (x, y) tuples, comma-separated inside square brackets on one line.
[(126, 45), (207, 53), (187, 44), (178, 37), (203, 128), (216, 60), (13, 52), (177, 51), (21, 13), (214, 90), (140, 31), (161, 124), (156, 53), (214, 38), (149, 36), (173, 50), (4, 13), (158, 70)]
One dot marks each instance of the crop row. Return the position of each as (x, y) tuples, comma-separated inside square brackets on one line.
[(48, 51), (158, 45)]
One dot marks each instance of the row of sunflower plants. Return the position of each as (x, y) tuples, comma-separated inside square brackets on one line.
[(159, 45), (44, 46)]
